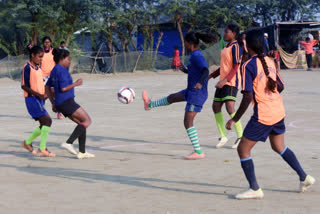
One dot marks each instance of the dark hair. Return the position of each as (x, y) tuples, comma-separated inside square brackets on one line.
[(235, 29), (255, 41), (62, 42), (34, 50), (194, 38), (176, 47), (45, 38), (59, 54), (307, 39)]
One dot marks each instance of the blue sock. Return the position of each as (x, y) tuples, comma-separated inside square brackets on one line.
[(248, 169), (291, 159)]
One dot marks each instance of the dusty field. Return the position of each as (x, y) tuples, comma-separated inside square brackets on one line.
[(138, 166)]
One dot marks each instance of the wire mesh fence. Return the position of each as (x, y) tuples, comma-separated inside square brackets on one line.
[(11, 66)]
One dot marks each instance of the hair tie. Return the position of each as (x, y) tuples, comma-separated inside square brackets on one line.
[(30, 46)]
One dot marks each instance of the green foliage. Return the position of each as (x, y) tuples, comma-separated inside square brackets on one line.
[(27, 21)]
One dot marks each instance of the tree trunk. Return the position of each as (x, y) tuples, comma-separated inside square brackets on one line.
[(158, 44), (132, 42), (34, 31), (157, 47), (123, 43), (68, 37), (181, 37)]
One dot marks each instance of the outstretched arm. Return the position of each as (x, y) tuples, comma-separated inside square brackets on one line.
[(73, 85), (245, 102)]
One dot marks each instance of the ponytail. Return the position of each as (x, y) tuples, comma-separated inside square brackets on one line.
[(271, 84), (195, 37), (206, 37)]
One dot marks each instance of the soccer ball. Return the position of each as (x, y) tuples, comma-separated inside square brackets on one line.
[(126, 95)]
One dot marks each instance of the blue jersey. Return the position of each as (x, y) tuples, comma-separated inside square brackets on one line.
[(195, 70), (60, 78)]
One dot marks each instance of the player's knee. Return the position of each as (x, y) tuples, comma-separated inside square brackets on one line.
[(230, 109), (242, 152), (170, 98), (46, 121), (276, 149), (88, 121)]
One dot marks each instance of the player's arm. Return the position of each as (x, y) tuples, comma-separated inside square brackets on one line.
[(183, 68), (30, 91), (49, 94), (204, 76), (245, 102), (73, 85), (214, 74), (25, 85), (280, 83), (248, 74)]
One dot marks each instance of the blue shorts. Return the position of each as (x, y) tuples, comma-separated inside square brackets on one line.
[(35, 107), (193, 108), (257, 131), (190, 107)]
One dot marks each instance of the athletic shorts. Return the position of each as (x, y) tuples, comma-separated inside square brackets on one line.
[(225, 93), (68, 107), (35, 107), (193, 108), (257, 131), (190, 107)]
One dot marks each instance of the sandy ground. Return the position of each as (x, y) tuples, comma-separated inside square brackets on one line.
[(138, 166)]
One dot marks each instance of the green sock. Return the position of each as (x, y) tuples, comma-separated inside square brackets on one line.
[(237, 126), (44, 135), (157, 103), (193, 135), (33, 136), (220, 124)]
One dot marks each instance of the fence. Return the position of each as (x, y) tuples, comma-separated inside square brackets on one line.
[(120, 62)]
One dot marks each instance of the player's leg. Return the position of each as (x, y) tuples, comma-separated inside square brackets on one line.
[(172, 98), (82, 118), (190, 113), (45, 124), (237, 126), (244, 152), (277, 144), (216, 107)]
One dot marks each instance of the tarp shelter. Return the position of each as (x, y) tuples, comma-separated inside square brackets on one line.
[(288, 35)]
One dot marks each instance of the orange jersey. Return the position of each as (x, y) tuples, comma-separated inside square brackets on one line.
[(32, 77), (47, 63), (231, 55), (268, 107), (308, 46)]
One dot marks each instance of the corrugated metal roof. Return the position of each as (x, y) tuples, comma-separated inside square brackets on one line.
[(298, 23)]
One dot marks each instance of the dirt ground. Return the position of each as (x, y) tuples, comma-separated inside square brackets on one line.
[(139, 167)]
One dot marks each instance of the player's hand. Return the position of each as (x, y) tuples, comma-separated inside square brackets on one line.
[(198, 86), (79, 82), (221, 83), (54, 108), (43, 96), (230, 124)]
